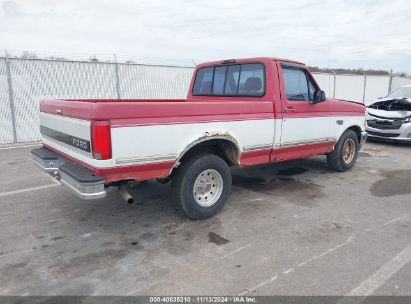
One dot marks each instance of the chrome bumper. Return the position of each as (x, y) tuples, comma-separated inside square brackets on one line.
[(87, 191), (75, 177)]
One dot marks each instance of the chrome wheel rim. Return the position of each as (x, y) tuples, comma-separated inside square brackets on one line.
[(348, 151), (208, 187)]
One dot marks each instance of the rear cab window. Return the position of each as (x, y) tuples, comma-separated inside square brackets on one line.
[(239, 79)]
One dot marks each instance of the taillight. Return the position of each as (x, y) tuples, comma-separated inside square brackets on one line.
[(101, 139)]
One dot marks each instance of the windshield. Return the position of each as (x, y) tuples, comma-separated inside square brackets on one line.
[(403, 92)]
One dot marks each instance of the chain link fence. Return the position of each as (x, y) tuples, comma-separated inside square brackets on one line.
[(359, 88), (24, 82)]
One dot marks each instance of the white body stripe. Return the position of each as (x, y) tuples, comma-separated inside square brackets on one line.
[(72, 126), (311, 129), (154, 143), (296, 130), (347, 121), (172, 140)]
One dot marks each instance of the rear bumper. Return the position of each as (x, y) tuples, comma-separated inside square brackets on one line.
[(75, 177)]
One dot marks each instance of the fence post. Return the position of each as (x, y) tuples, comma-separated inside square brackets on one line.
[(390, 82), (118, 89), (365, 87), (335, 82), (11, 98)]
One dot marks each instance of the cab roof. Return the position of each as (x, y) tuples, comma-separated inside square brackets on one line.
[(252, 59)]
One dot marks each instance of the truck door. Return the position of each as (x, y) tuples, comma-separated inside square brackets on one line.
[(305, 126)]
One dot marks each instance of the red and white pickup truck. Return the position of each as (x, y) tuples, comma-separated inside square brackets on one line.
[(238, 112)]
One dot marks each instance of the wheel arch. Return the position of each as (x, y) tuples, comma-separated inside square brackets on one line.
[(356, 129), (222, 144)]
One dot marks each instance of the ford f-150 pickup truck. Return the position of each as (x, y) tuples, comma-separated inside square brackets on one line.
[(238, 112)]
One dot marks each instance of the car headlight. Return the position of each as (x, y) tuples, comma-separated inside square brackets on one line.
[(407, 119)]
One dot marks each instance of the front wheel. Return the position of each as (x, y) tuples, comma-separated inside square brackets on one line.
[(201, 185), (345, 152)]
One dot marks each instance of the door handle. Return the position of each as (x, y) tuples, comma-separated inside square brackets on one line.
[(289, 109)]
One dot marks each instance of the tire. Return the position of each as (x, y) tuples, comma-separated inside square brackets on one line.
[(338, 159), (206, 172)]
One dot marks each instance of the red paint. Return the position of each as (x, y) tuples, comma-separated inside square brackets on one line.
[(138, 172), (116, 123), (298, 151), (135, 172), (147, 112), (75, 109), (255, 157), (170, 112), (286, 153)]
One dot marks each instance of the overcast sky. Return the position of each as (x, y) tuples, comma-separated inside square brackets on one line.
[(347, 33)]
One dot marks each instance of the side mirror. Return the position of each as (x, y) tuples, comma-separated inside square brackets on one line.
[(319, 96)]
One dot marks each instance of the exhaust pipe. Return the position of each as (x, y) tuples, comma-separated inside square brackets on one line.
[(125, 194)]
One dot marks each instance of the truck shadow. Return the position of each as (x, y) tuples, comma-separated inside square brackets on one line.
[(155, 207), (154, 199)]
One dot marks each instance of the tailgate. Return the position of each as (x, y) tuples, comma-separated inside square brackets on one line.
[(71, 133)]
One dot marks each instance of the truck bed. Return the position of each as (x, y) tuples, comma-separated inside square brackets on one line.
[(152, 131), (162, 109)]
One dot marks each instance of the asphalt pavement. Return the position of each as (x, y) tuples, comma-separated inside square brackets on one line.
[(295, 228)]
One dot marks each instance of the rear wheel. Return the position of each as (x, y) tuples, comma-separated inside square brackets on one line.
[(201, 185), (345, 152)]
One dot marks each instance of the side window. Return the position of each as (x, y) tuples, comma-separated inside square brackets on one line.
[(247, 79), (296, 84), (203, 81)]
